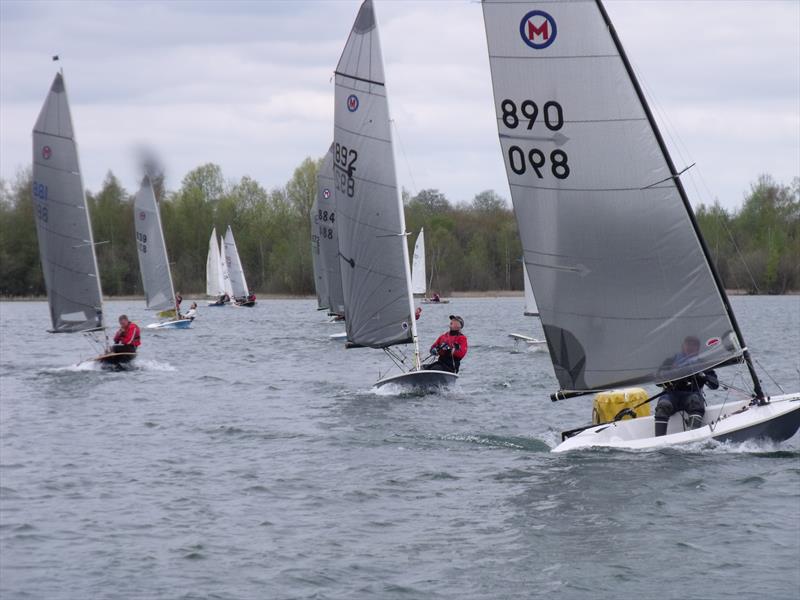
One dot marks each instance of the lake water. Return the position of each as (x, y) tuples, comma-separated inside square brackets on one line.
[(247, 458)]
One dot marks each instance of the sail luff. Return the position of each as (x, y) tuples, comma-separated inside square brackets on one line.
[(63, 222), (759, 393)]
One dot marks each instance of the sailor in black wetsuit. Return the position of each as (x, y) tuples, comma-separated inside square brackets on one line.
[(684, 394)]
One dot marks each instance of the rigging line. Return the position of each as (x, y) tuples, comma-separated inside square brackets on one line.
[(405, 156), (770, 376), (671, 177)]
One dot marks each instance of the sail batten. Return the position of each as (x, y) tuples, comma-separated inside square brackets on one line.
[(619, 272), (159, 291), (375, 270), (63, 223)]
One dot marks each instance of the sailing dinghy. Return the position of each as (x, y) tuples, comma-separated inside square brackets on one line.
[(620, 270), (215, 285), (326, 243), (419, 285), (530, 311), (241, 294), (63, 226), (159, 292), (326, 231), (376, 275)]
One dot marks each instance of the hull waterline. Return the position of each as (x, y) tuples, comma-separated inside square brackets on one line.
[(424, 380)]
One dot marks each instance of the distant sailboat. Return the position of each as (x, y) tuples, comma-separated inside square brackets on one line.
[(419, 284), (63, 225), (327, 234), (621, 272), (320, 280), (159, 292), (241, 293), (376, 274), (215, 285), (226, 276), (531, 310)]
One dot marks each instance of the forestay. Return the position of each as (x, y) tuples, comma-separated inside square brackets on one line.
[(617, 267), (328, 236), (235, 270), (63, 226), (369, 213), (152, 249), (418, 265), (214, 284), (531, 310)]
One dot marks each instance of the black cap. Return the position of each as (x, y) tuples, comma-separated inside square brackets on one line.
[(457, 318)]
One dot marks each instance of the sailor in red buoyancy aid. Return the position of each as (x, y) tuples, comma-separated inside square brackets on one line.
[(450, 348), (128, 336)]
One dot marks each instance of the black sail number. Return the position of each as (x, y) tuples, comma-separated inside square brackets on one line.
[(537, 161), (345, 162), (551, 112)]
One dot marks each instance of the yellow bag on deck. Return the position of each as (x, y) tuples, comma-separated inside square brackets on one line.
[(608, 404)]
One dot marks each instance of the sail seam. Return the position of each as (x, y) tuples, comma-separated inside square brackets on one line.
[(364, 135), (364, 79), (563, 189)]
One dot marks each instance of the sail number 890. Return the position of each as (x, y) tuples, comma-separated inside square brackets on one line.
[(552, 114)]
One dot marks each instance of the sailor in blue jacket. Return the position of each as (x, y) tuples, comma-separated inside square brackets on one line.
[(684, 394)]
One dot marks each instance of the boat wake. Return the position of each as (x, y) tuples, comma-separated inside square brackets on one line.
[(91, 365)]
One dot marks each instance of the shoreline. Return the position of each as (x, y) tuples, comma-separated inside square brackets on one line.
[(265, 296)]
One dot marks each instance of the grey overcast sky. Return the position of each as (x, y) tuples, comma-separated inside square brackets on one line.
[(248, 85)]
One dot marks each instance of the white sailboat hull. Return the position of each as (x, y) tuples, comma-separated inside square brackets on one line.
[(736, 421), (179, 324), (424, 380)]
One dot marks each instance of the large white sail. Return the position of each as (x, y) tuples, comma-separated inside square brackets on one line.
[(159, 293), (369, 213), (531, 310), (418, 284), (63, 226), (619, 271), (328, 235), (214, 284), (235, 271)]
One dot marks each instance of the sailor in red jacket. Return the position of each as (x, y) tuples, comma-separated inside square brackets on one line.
[(128, 336), (450, 347)]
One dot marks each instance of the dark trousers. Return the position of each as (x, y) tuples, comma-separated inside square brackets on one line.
[(672, 402), (123, 348), (441, 366)]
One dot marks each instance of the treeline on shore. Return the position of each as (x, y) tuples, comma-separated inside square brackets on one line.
[(470, 246)]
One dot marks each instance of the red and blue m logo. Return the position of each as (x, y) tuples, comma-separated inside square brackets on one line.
[(538, 29)]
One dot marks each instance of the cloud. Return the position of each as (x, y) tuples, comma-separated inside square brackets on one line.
[(247, 85)]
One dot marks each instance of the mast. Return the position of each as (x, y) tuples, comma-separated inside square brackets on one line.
[(759, 393)]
